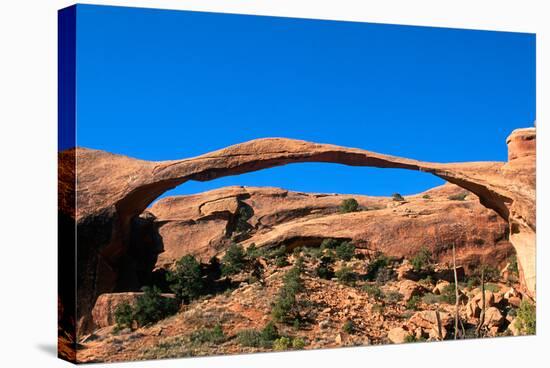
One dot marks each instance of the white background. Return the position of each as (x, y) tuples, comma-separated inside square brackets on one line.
[(28, 179)]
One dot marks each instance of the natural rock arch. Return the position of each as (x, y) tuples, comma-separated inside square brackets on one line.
[(112, 189)]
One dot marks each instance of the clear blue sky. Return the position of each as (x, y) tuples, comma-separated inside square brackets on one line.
[(161, 85)]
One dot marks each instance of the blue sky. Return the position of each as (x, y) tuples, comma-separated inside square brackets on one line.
[(159, 85)]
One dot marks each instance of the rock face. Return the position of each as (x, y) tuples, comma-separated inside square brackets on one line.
[(103, 313), (189, 225), (112, 190)]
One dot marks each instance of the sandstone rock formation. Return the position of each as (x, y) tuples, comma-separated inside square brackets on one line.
[(104, 309), (203, 224), (112, 190)]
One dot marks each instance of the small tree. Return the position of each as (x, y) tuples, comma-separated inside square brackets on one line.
[(448, 294), (234, 260), (252, 252), (185, 280), (348, 327), (324, 271), (151, 306), (124, 315), (244, 213), (373, 291), (397, 197), (213, 335), (345, 275), (349, 205), (329, 243), (345, 251), (422, 259), (526, 320), (375, 265), (393, 296)]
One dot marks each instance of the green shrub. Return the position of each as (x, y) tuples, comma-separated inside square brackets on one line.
[(124, 315), (276, 252), (314, 252), (345, 251), (348, 327), (282, 343), (448, 294), (378, 308), (526, 320), (458, 197), (151, 306), (349, 205), (186, 280), (489, 273), (427, 282), (269, 332), (250, 338), (374, 291), (494, 288), (430, 298), (426, 196), (286, 299), (213, 335), (244, 213), (412, 338), (297, 251), (393, 297), (329, 244), (283, 305), (397, 197), (324, 271), (329, 257), (473, 281), (412, 303), (255, 338), (384, 275), (234, 260), (422, 259), (281, 261), (375, 265), (298, 343), (252, 252), (513, 265), (345, 275)]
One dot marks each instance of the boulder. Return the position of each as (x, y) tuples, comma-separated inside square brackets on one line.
[(428, 322), (103, 312), (398, 335), (493, 318), (438, 288), (475, 305), (409, 288), (514, 301)]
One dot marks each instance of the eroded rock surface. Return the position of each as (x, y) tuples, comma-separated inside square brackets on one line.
[(188, 225)]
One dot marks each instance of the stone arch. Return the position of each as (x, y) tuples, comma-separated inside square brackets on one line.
[(112, 189)]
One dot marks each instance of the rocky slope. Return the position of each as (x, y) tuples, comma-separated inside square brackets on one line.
[(331, 313)]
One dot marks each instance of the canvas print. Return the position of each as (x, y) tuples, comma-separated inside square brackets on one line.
[(235, 184)]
